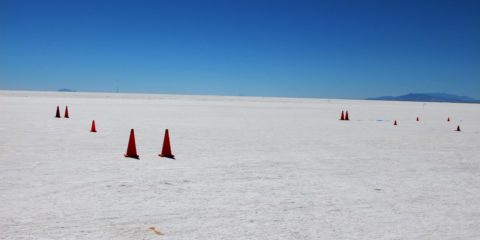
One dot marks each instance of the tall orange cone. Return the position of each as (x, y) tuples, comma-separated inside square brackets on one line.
[(418, 119), (395, 123), (346, 116), (166, 151), (342, 117), (93, 129), (458, 128), (132, 148), (57, 115), (448, 119), (66, 112)]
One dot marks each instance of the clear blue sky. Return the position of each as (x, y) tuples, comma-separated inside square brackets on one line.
[(333, 49)]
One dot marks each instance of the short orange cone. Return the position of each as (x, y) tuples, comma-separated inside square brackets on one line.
[(342, 117), (346, 116), (57, 115), (132, 148), (395, 123), (166, 150), (93, 129), (66, 112), (458, 128)]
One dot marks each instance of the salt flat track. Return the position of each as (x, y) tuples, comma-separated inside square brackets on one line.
[(246, 168)]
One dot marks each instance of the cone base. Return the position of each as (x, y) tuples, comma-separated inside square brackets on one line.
[(130, 156), (93, 131), (167, 156)]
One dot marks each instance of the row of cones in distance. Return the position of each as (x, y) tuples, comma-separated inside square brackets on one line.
[(132, 148), (448, 120), (418, 120), (344, 117)]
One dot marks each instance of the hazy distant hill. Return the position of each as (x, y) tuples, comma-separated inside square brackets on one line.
[(429, 97), (66, 90)]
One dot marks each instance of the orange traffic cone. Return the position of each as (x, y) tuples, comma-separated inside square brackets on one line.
[(395, 123), (418, 119), (57, 115), (342, 117), (346, 116), (132, 148), (66, 112), (93, 129), (166, 151), (448, 119), (458, 128)]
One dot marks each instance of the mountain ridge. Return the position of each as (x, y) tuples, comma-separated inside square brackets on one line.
[(428, 97)]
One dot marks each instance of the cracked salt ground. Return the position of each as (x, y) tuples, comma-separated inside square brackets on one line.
[(245, 168)]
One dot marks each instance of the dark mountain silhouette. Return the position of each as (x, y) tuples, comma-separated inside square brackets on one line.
[(429, 97), (66, 90)]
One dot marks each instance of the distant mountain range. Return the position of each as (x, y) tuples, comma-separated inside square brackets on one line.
[(66, 90), (428, 97)]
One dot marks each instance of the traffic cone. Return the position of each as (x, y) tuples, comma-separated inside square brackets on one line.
[(395, 123), (166, 151), (342, 117), (418, 119), (346, 116), (93, 129), (132, 149), (448, 119), (57, 115), (458, 128), (66, 112)]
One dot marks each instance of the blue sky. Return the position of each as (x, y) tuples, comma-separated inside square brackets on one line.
[(332, 49)]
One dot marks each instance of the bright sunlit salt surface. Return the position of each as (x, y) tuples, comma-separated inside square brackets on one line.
[(245, 168)]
